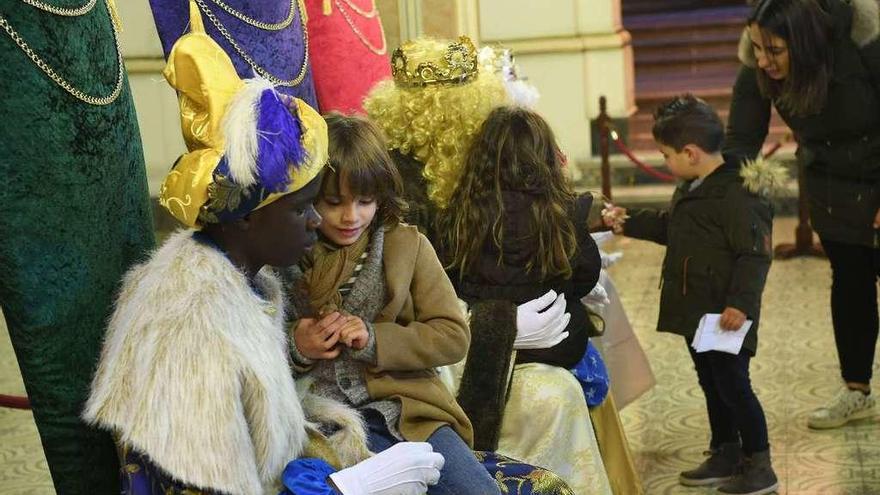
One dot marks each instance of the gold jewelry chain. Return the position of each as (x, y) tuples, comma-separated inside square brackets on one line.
[(266, 26), (247, 58), (65, 11), (60, 81), (369, 15), (378, 51)]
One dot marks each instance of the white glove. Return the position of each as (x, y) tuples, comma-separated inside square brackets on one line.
[(601, 237), (407, 468), (537, 328), (597, 298), (609, 259)]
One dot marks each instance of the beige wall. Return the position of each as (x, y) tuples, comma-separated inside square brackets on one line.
[(439, 18), (573, 51), (154, 100), (388, 10)]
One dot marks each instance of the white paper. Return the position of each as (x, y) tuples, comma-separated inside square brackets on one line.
[(710, 336)]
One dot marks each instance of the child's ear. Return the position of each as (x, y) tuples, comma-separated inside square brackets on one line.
[(693, 153)]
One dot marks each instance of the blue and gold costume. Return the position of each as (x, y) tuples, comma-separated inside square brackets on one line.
[(194, 379)]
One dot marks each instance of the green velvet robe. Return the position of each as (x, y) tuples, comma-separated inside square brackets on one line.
[(74, 215)]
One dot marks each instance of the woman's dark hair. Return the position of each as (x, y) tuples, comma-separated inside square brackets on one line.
[(806, 29), (687, 120), (514, 150), (359, 154)]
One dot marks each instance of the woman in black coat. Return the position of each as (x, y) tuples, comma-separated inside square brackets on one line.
[(818, 63)]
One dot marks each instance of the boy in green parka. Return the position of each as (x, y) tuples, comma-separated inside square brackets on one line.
[(717, 233)]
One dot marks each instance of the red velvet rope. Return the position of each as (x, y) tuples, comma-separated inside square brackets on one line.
[(14, 402), (615, 138), (645, 168), (773, 149)]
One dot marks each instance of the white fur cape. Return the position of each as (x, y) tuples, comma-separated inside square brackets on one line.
[(194, 373)]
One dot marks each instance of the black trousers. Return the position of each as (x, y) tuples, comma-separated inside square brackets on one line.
[(854, 272), (735, 414)]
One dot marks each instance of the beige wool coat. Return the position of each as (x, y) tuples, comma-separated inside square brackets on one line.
[(422, 327)]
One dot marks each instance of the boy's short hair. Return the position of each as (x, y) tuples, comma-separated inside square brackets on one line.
[(685, 120)]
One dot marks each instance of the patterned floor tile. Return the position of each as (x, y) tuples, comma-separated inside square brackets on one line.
[(795, 371)]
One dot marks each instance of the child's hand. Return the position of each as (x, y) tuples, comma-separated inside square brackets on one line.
[(354, 333), (317, 338), (732, 319), (614, 217)]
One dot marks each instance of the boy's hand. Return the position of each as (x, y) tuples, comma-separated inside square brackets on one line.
[(877, 219), (732, 319), (354, 333), (614, 217), (317, 338)]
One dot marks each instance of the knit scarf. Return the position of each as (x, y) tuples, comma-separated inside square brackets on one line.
[(328, 268)]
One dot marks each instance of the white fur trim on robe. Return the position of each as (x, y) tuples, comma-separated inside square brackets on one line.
[(194, 372)]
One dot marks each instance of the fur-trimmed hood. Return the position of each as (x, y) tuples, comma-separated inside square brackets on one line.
[(194, 371), (764, 177), (863, 25)]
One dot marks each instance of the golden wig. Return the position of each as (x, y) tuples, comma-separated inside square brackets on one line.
[(435, 123)]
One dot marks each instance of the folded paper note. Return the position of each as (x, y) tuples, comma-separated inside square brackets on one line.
[(710, 336)]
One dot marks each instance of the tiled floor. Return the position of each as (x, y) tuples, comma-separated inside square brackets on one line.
[(794, 371), (22, 464)]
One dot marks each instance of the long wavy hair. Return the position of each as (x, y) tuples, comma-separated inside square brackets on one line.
[(806, 29), (435, 123), (515, 150)]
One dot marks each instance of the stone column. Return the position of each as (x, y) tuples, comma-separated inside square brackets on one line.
[(155, 101), (573, 51)]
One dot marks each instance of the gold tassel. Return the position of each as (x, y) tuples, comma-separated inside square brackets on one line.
[(114, 15), (328, 9)]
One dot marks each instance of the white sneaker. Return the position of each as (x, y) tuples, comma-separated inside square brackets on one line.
[(848, 405)]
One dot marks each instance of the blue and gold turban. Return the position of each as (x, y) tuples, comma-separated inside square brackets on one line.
[(248, 144)]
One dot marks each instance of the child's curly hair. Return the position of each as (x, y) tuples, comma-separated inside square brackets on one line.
[(515, 150)]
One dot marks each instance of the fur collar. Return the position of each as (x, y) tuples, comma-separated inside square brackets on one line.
[(865, 28), (866, 22), (194, 372), (764, 177)]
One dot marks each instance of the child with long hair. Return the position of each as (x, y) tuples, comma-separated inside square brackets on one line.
[(515, 229), (381, 314), (512, 231)]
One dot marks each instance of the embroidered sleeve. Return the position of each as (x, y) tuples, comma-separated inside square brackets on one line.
[(141, 477)]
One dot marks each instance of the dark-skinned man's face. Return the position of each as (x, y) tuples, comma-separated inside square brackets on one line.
[(282, 232)]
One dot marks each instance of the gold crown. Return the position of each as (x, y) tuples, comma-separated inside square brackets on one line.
[(458, 65)]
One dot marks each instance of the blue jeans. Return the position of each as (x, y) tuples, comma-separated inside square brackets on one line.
[(462, 474)]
